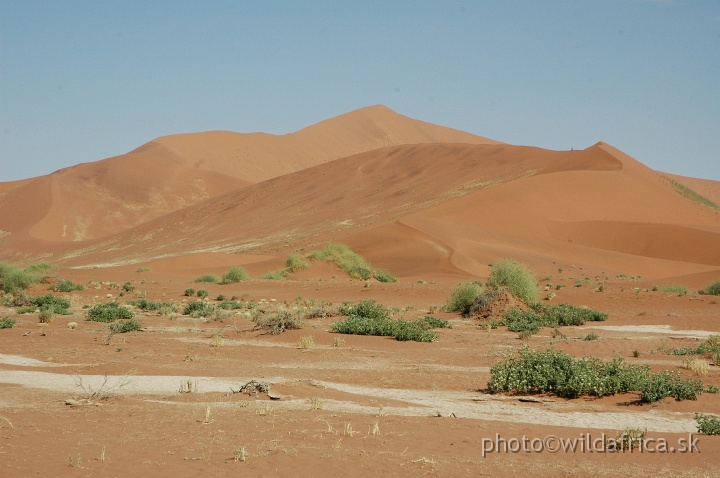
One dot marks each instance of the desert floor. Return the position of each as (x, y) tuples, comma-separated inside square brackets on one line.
[(74, 402)]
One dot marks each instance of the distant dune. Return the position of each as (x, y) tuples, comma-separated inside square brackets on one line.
[(98, 199), (417, 199)]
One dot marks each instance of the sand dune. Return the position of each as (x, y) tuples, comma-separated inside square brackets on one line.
[(102, 198), (448, 204)]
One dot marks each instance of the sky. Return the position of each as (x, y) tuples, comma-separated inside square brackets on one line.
[(85, 80)]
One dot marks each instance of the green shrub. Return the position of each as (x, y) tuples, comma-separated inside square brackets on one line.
[(670, 384), (462, 297), (7, 323), (711, 345), (66, 286), (46, 314), (220, 298), (125, 326), (529, 371), (128, 287), (275, 275), (349, 261), (109, 312), (295, 262), (714, 288), (235, 274), (13, 279), (531, 321), (675, 289), (566, 314), (199, 309), (232, 304), (210, 278), (203, 293), (49, 303), (371, 318), (708, 424), (384, 276), (516, 277), (144, 304), (189, 292)]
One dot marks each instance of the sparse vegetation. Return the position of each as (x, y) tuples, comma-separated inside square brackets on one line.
[(529, 371), (189, 292), (279, 274), (203, 294), (109, 312), (462, 297), (532, 320), (7, 323), (277, 321), (306, 342), (208, 278), (47, 304), (164, 308), (692, 195), (351, 262), (708, 424), (66, 286), (295, 262), (198, 308), (516, 277), (710, 346), (124, 326), (714, 288), (14, 279), (235, 274), (675, 289), (370, 318)]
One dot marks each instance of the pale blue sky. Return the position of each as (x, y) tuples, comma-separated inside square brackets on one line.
[(82, 81)]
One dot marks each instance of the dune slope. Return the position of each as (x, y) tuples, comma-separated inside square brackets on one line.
[(99, 199)]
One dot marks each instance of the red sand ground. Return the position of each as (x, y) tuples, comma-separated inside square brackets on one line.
[(433, 206)]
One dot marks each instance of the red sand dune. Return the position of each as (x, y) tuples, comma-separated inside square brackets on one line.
[(451, 205), (98, 199)]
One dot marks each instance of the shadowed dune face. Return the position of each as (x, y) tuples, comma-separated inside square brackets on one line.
[(449, 204)]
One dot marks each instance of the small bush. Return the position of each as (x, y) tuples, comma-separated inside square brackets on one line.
[(209, 278), (277, 321), (46, 314), (531, 321), (235, 274), (128, 287), (275, 275), (708, 424), (462, 297), (109, 312), (516, 277), (675, 289), (232, 305), (714, 288), (66, 286), (125, 326), (199, 309), (670, 384), (163, 307), (203, 293), (49, 303), (295, 262), (384, 276), (7, 323), (370, 318), (189, 292)]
